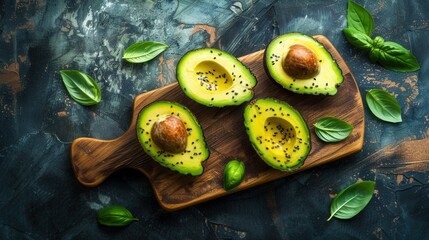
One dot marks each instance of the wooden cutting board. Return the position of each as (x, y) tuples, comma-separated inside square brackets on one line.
[(93, 160)]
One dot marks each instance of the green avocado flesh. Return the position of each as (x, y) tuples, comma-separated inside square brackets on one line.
[(215, 78), (325, 82), (278, 133), (188, 161)]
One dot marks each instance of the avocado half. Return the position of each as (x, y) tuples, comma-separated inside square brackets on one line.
[(186, 161), (278, 133), (215, 78), (301, 64)]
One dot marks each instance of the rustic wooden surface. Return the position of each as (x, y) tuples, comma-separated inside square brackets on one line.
[(93, 160)]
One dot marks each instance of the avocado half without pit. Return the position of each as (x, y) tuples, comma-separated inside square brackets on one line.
[(278, 133), (172, 136), (301, 64), (215, 78)]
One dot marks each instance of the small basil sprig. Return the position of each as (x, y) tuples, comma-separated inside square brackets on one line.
[(390, 55), (233, 174), (383, 105), (332, 129), (115, 216), (353, 199), (81, 87), (143, 51)]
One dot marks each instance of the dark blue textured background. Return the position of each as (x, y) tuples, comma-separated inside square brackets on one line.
[(40, 197)]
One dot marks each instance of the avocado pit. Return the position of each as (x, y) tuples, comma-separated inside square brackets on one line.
[(170, 134), (301, 62)]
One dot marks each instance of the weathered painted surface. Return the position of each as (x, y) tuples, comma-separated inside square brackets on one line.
[(40, 197)]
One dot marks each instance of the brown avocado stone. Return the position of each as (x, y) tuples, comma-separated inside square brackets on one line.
[(172, 136), (301, 64), (169, 133), (278, 133)]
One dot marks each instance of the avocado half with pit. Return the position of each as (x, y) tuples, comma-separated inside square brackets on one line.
[(301, 64), (172, 136), (215, 78), (278, 133)]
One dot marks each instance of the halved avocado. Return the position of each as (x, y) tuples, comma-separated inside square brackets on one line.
[(213, 77), (172, 136), (278, 133), (301, 64)]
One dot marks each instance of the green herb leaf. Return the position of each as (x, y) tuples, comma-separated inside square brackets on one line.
[(359, 18), (81, 87), (397, 58), (332, 129), (233, 174), (353, 199), (383, 105), (115, 216), (358, 39), (143, 51)]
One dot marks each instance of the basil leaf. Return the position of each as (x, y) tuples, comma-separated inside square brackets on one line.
[(383, 105), (358, 39), (81, 87), (115, 216), (353, 199), (332, 129), (359, 18), (233, 174), (143, 51), (397, 58)]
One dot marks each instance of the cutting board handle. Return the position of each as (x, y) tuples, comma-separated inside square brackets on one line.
[(93, 160)]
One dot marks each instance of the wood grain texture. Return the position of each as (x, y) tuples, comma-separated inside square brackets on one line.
[(94, 160)]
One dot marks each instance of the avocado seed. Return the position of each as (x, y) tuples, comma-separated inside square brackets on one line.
[(301, 62), (170, 134)]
